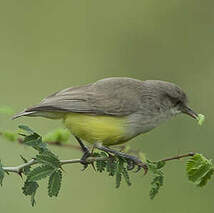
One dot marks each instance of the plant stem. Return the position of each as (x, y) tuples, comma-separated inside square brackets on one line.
[(179, 157), (19, 169)]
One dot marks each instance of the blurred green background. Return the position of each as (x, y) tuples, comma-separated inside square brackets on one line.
[(48, 45)]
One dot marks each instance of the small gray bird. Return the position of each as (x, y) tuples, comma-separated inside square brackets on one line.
[(113, 110)]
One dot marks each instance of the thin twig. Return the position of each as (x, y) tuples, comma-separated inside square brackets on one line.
[(55, 143), (19, 169), (190, 154)]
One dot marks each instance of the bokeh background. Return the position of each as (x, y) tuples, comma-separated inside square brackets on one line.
[(48, 45)]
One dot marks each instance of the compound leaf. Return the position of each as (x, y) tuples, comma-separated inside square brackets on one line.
[(54, 183), (49, 159), (40, 172), (199, 169), (30, 188)]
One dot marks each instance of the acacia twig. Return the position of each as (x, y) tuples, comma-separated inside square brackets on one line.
[(190, 154), (55, 143), (19, 169)]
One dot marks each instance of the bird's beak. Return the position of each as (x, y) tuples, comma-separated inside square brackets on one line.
[(190, 112)]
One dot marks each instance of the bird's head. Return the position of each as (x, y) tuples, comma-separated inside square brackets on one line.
[(172, 98)]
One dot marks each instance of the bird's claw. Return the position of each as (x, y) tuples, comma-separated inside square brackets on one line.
[(85, 166), (131, 163), (140, 166), (131, 160), (84, 160)]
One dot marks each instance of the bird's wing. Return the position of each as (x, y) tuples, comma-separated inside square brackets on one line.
[(115, 96)]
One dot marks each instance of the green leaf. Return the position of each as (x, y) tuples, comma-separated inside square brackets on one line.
[(30, 188), (32, 139), (101, 164), (2, 173), (11, 136), (35, 141), (59, 135), (49, 159), (205, 178), (6, 110), (155, 167), (156, 183), (158, 177), (199, 169), (160, 164), (33, 201), (40, 172), (54, 183), (201, 119), (118, 179), (118, 172), (126, 176), (121, 169), (27, 129), (111, 166)]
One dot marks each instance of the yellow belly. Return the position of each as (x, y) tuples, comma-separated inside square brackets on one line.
[(108, 130)]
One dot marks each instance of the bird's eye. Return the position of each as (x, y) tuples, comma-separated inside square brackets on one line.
[(177, 103)]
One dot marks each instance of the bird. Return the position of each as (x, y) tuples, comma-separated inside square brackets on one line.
[(112, 111)]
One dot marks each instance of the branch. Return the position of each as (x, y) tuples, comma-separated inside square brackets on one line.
[(19, 169), (190, 154), (20, 140)]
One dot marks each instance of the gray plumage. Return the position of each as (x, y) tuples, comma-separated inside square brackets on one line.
[(112, 96), (144, 104)]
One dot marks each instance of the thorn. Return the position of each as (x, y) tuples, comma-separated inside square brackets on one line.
[(85, 166), (92, 164), (92, 149), (20, 174), (62, 168)]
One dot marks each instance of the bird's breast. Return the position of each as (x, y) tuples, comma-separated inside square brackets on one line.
[(110, 130)]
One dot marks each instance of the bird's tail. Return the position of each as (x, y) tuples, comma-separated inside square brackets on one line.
[(23, 113), (35, 113)]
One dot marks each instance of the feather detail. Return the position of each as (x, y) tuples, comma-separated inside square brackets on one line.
[(23, 113)]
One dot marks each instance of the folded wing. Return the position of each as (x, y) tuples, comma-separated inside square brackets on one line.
[(119, 97)]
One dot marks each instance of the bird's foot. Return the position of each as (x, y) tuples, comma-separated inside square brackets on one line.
[(83, 159), (131, 160), (86, 154)]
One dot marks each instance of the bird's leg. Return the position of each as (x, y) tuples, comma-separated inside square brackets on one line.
[(86, 152), (131, 160)]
